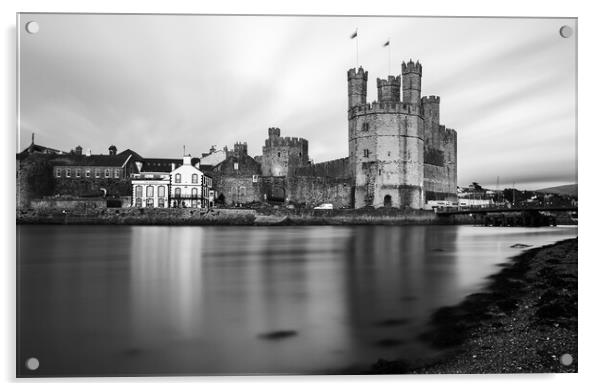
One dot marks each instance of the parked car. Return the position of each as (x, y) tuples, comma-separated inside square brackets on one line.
[(324, 206)]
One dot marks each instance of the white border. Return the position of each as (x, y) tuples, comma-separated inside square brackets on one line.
[(589, 166)]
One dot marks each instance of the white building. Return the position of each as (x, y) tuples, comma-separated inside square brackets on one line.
[(150, 190), (189, 186), (183, 187)]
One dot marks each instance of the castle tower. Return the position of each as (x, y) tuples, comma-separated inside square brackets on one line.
[(283, 155), (430, 105), (412, 81), (386, 145), (389, 89), (357, 82)]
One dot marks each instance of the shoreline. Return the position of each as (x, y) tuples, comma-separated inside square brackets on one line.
[(523, 321)]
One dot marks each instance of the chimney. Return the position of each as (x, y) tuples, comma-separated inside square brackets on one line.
[(112, 150), (187, 160)]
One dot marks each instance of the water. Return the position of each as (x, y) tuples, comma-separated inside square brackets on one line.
[(121, 300)]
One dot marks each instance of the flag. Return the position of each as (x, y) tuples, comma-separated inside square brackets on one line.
[(387, 43), (354, 34)]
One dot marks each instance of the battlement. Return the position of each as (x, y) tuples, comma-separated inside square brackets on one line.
[(431, 99), (290, 142), (385, 108), (389, 81), (411, 67), (358, 73)]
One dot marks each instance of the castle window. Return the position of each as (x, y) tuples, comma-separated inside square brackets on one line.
[(88, 174), (178, 178), (78, 172), (300, 154), (366, 153), (107, 173), (68, 173), (278, 154), (365, 126), (195, 178), (150, 191), (58, 173), (389, 153), (116, 173)]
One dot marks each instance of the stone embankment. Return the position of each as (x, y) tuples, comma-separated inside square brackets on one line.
[(264, 217)]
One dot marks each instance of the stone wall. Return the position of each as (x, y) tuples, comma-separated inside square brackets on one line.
[(338, 168), (239, 189), (85, 186), (313, 191)]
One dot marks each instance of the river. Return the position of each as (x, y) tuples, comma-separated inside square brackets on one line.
[(157, 300)]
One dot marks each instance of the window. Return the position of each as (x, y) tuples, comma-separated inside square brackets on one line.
[(255, 178), (236, 164), (116, 173), (138, 192), (97, 172), (161, 191), (161, 202), (78, 172), (150, 203), (278, 154), (57, 173), (178, 178), (365, 126), (88, 174), (150, 191), (68, 173), (138, 202), (107, 173), (366, 153), (389, 153), (195, 192), (178, 192), (195, 178)]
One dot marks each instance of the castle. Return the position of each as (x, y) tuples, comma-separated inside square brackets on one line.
[(399, 156)]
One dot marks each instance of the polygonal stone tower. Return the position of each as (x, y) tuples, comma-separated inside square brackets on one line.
[(386, 142)]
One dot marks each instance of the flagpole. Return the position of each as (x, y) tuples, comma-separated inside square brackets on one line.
[(357, 50), (389, 55)]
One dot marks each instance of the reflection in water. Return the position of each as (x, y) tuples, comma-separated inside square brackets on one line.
[(98, 300)]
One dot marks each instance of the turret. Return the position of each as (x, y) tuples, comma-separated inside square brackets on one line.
[(430, 105), (78, 150), (112, 150), (388, 89), (357, 81), (412, 81), (240, 149), (273, 132)]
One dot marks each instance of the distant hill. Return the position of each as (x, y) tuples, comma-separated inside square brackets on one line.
[(570, 190)]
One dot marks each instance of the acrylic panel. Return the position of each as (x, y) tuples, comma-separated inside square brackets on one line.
[(241, 195)]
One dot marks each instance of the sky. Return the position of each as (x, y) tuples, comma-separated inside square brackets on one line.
[(154, 83)]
